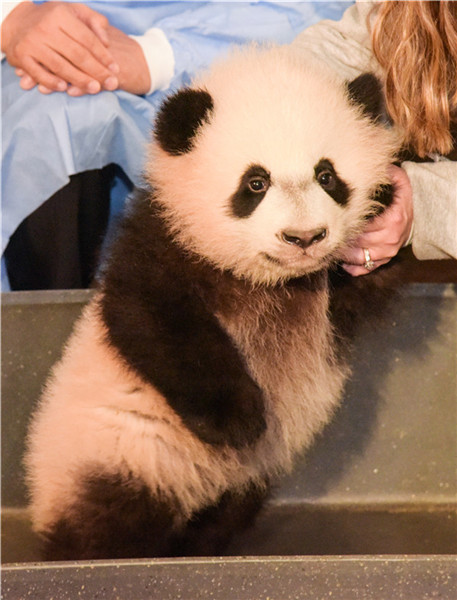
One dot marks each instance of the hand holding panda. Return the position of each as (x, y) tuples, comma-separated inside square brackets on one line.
[(209, 355), (387, 233)]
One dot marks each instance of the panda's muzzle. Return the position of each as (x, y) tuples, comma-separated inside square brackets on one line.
[(303, 239)]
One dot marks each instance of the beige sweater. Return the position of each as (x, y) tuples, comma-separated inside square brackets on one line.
[(345, 47)]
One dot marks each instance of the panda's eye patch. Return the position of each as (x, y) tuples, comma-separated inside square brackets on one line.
[(252, 187), (328, 179)]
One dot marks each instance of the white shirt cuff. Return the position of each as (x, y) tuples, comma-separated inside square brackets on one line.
[(159, 57)]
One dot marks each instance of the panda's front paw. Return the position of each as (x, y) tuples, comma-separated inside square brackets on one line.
[(236, 419)]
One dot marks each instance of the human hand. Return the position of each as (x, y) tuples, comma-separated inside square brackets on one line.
[(385, 234), (133, 73), (58, 44)]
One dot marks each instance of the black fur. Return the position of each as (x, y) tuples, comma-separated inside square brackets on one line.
[(246, 199), (330, 181), (211, 529), (384, 195), (179, 119), (115, 517), (383, 198), (366, 91), (119, 517), (354, 300), (157, 305)]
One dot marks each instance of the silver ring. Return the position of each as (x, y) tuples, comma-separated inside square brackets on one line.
[(369, 264)]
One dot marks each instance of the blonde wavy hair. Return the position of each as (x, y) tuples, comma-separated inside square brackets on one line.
[(415, 42)]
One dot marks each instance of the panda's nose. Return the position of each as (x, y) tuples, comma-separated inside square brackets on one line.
[(304, 239)]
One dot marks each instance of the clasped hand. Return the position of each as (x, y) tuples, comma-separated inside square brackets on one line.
[(68, 47)]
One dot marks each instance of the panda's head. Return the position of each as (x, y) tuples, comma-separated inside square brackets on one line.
[(266, 166)]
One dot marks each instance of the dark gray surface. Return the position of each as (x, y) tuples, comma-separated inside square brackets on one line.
[(35, 326), (337, 578), (381, 479)]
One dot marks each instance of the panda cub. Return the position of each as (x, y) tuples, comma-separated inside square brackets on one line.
[(207, 358)]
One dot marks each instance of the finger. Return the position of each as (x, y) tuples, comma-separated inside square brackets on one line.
[(399, 178), (381, 244), (355, 270), (75, 91), (378, 222), (75, 63), (42, 76), (358, 270), (49, 63), (44, 90), (111, 83), (384, 242), (375, 224), (99, 27), (87, 56), (83, 34), (356, 256), (19, 72), (97, 22), (360, 256), (377, 242), (373, 238), (27, 83), (390, 216)]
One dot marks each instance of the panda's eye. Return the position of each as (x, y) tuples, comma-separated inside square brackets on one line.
[(258, 185), (326, 179)]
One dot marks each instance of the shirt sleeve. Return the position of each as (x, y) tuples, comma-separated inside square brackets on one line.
[(435, 208), (343, 46), (159, 57)]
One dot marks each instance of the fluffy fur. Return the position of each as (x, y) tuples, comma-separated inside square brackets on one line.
[(271, 113), (208, 359)]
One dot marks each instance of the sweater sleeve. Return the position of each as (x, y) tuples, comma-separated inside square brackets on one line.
[(435, 208), (343, 46)]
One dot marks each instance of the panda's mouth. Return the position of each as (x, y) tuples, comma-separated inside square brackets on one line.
[(303, 262), (271, 259)]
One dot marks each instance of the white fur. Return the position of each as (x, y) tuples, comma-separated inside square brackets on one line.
[(274, 109)]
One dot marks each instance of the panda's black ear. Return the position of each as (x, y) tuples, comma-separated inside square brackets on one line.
[(179, 118), (366, 92)]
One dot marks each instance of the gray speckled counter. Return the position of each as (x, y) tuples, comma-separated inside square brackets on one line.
[(380, 480), (274, 578)]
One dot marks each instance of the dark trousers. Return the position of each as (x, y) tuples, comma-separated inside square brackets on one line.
[(58, 245)]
